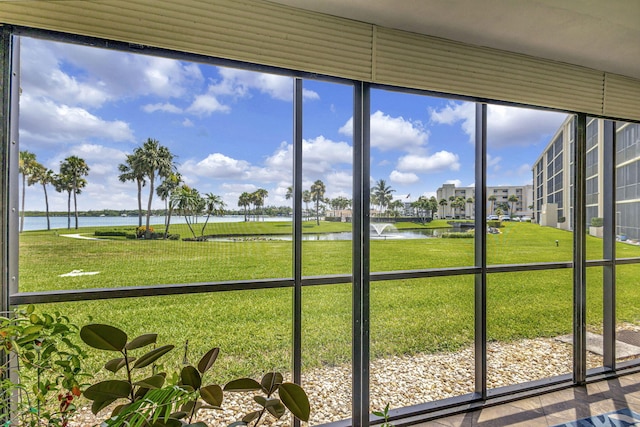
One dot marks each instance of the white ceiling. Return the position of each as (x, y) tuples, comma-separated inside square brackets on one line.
[(599, 34)]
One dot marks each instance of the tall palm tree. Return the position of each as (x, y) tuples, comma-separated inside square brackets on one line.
[(132, 170), (43, 176), (470, 203), (433, 206), (306, 198), (244, 201), (443, 203), (214, 205), (289, 194), (381, 193), (258, 197), (26, 164), (164, 191), (154, 160), (317, 195), (492, 199), (513, 199), (452, 204), (74, 169)]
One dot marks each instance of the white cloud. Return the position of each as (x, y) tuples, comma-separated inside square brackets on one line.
[(506, 126), (493, 162), (240, 82), (45, 121), (319, 155), (187, 123), (392, 133), (204, 105), (455, 182), (403, 177), (217, 165), (165, 107), (438, 162)]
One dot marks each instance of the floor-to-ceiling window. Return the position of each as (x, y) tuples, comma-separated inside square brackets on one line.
[(251, 217)]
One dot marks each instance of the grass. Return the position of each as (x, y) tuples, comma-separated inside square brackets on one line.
[(253, 328)]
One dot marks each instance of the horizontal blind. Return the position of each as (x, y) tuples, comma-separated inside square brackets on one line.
[(423, 62), (265, 33), (253, 31), (621, 96)]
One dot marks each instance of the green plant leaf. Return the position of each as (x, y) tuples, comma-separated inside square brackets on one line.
[(152, 356), (261, 400), (110, 389), (251, 416), (237, 424), (141, 341), (276, 408), (296, 400), (243, 384), (208, 359), (103, 337), (191, 377), (115, 365), (171, 422), (153, 382), (99, 405), (271, 381), (212, 394)]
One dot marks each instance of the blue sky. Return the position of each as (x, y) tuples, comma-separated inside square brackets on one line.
[(231, 130)]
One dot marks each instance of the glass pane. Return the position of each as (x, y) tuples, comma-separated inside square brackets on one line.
[(528, 185), (421, 340), (197, 152), (326, 351), (327, 158), (627, 312), (529, 321), (595, 325), (627, 206), (251, 328), (422, 182)]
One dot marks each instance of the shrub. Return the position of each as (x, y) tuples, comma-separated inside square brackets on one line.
[(494, 223), (457, 235), (141, 231), (597, 222)]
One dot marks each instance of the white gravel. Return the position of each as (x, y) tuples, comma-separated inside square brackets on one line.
[(406, 380)]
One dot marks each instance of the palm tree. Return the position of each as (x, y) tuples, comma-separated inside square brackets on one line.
[(26, 165), (317, 195), (306, 198), (289, 194), (381, 193), (43, 176), (73, 168), (214, 205), (433, 206), (513, 199), (132, 170), (153, 160), (443, 203), (452, 200), (63, 184), (470, 202), (164, 191), (244, 201), (186, 200), (258, 197), (492, 199)]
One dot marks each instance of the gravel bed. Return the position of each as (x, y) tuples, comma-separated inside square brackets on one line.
[(406, 380)]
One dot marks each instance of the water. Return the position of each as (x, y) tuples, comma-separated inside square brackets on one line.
[(40, 222), (344, 235)]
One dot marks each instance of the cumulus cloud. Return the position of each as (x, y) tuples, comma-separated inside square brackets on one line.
[(506, 126), (45, 121), (217, 165), (392, 133), (204, 105), (165, 107), (437, 162), (455, 182), (403, 177), (319, 155), (240, 82)]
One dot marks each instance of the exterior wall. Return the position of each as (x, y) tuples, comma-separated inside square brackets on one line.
[(524, 193), (548, 188)]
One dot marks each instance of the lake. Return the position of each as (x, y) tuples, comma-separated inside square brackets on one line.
[(40, 222)]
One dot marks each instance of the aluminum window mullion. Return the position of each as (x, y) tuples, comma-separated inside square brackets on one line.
[(609, 242), (579, 252), (297, 234), (360, 242), (481, 252)]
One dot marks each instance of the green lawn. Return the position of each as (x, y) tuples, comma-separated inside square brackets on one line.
[(253, 328)]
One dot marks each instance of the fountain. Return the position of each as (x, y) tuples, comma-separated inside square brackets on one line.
[(380, 228)]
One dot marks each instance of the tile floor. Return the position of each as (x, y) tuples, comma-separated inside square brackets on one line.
[(554, 408)]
